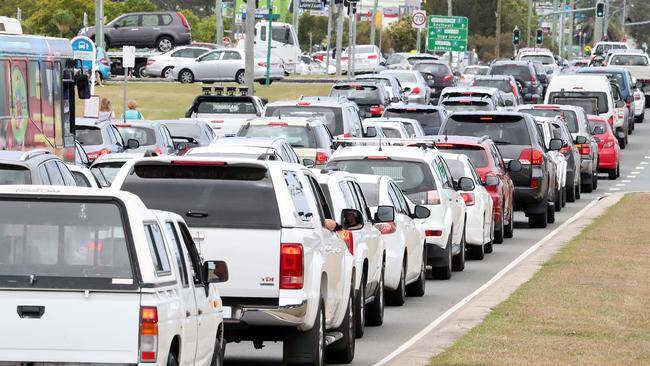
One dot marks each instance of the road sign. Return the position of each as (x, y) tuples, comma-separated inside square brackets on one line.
[(419, 19), (447, 33), (567, 10), (83, 48), (128, 56), (311, 4)]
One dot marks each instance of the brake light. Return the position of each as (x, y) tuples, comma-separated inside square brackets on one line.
[(291, 266), (321, 158), (104, 61), (584, 149), (514, 89), (278, 124), (159, 151), (386, 227), (485, 118), (565, 149), (148, 333), (448, 77), (96, 154), (416, 90), (546, 106), (468, 198), (344, 58), (183, 20), (302, 104), (611, 120), (372, 57), (123, 125), (150, 61), (378, 158), (433, 198), (628, 104), (217, 121), (531, 156), (533, 80), (261, 63), (433, 232), (347, 135), (534, 183), (637, 97), (609, 143), (190, 162), (377, 110), (347, 237)]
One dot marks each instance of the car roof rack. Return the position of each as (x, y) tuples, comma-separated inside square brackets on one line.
[(230, 91), (33, 153), (424, 144)]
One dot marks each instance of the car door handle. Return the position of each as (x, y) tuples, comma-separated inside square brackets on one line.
[(187, 313), (30, 312), (200, 311), (196, 214)]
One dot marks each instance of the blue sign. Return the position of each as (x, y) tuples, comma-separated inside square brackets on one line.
[(567, 9), (83, 48)]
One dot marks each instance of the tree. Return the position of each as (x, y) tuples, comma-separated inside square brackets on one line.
[(402, 36), (63, 20)]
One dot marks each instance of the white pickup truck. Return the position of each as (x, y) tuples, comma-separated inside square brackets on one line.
[(291, 276), (225, 113), (93, 277), (637, 63)]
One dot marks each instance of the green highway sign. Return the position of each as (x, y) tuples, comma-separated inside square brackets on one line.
[(447, 33)]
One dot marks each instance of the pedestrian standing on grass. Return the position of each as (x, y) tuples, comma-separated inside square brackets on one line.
[(105, 110), (132, 113)]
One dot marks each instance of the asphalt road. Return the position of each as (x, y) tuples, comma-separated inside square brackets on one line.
[(402, 323)]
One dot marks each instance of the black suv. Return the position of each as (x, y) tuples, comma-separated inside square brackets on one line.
[(429, 116), (34, 167), (438, 75), (161, 30), (517, 137), (526, 76), (370, 96)]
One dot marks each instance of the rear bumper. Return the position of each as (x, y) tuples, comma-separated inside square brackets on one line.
[(290, 312), (586, 166), (607, 159), (524, 195)]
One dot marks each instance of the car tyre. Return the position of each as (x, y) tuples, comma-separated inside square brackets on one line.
[(171, 359), (571, 193), (398, 296), (578, 191), (475, 252), (444, 273), (558, 201), (360, 309), (167, 72), (612, 174), (458, 261), (539, 220), (563, 195), (509, 230), (550, 216), (240, 77), (639, 119), (594, 182), (375, 310), (487, 247), (499, 231), (417, 288), (218, 354), (165, 43), (587, 188), (186, 76), (307, 348), (342, 351)]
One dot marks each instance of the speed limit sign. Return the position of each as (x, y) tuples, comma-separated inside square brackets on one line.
[(419, 19)]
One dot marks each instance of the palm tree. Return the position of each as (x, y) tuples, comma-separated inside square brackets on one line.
[(63, 20)]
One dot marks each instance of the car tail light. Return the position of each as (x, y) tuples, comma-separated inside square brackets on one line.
[(96, 154), (347, 237), (514, 89), (565, 149), (584, 149), (377, 110), (533, 80), (611, 120), (468, 198), (148, 334), (291, 266), (628, 104), (303, 104), (159, 151), (150, 61), (534, 183), (416, 91), (122, 125), (448, 77), (386, 227), (531, 156), (104, 61), (433, 233), (372, 57), (192, 162), (278, 124), (217, 121), (433, 198), (183, 20), (321, 158), (261, 63), (343, 58), (347, 135), (637, 97), (609, 143)]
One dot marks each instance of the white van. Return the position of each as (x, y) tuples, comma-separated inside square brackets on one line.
[(10, 25), (284, 43), (595, 94)]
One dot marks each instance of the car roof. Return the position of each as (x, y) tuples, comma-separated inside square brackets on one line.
[(316, 101), (511, 63), (597, 70), (459, 139), (267, 142), (414, 107), (387, 124), (493, 77), (370, 178), (24, 157), (402, 152), (548, 106), (471, 89), (243, 149), (138, 123), (290, 121), (84, 121), (489, 113), (113, 157), (396, 71)]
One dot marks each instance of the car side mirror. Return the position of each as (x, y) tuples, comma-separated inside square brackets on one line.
[(580, 140), (180, 147), (514, 166), (508, 103), (421, 212), (351, 219), (596, 139), (309, 163), (371, 132), (491, 180), (385, 214), (549, 72), (465, 184), (639, 84), (456, 74), (215, 272), (395, 100), (555, 144), (407, 89), (116, 25), (132, 144), (620, 104)]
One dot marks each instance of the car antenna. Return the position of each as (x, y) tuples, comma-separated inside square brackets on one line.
[(380, 149), (446, 136)]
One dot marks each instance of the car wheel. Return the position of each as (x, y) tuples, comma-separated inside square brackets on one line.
[(458, 261), (499, 230), (375, 310), (139, 71), (417, 288), (360, 309), (618, 170), (563, 196), (240, 77), (167, 72), (587, 188), (579, 189), (475, 252), (550, 214), (398, 296), (218, 354), (594, 181), (186, 76), (558, 201), (509, 230), (539, 220), (300, 348), (612, 174), (639, 119), (487, 247), (342, 351), (171, 359), (165, 43), (444, 273), (571, 193)]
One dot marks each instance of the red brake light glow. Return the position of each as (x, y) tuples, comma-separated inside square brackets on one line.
[(531, 156), (433, 232), (291, 266), (448, 77), (348, 238), (148, 333), (416, 90), (302, 104), (485, 118), (372, 57), (122, 125), (546, 106), (378, 158), (184, 20), (386, 227), (377, 110), (96, 154), (321, 158), (278, 124), (468, 198), (150, 61)]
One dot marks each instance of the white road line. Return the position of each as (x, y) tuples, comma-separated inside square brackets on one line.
[(644, 163), (635, 173), (647, 157), (631, 176), (621, 185), (614, 189), (639, 168), (496, 277), (626, 181)]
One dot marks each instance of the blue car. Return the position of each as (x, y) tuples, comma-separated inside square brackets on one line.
[(103, 64)]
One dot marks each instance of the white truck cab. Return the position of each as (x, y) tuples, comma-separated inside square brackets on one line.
[(10, 25), (75, 262), (284, 43)]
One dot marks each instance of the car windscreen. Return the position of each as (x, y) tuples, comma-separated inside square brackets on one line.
[(410, 176), (476, 71), (467, 105), (597, 127), (502, 85), (435, 69), (476, 154), (603, 48), (592, 102), (185, 130), (226, 107), (77, 244), (360, 94), (505, 130), (296, 136), (414, 60), (629, 60), (569, 117), (409, 128), (427, 117), (106, 172), (371, 193), (404, 77), (87, 135), (14, 174), (144, 135), (364, 49), (331, 115), (544, 59), (209, 195), (520, 72)]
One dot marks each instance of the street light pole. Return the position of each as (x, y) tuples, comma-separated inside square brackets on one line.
[(623, 17), (497, 48), (250, 45), (218, 4), (330, 13), (339, 38), (99, 23), (451, 54), (530, 20), (373, 22)]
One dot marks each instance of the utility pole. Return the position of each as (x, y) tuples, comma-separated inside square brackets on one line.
[(350, 43), (373, 22), (381, 27), (330, 13), (530, 20), (606, 19), (554, 23), (19, 15), (451, 54), (250, 46), (296, 5), (561, 41), (234, 20), (623, 17), (497, 48), (339, 38), (99, 23), (568, 40), (218, 5), (269, 37)]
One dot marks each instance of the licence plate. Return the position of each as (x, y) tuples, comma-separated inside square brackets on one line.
[(227, 312)]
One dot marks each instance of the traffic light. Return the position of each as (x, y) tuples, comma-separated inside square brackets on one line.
[(539, 37), (516, 36), (600, 10)]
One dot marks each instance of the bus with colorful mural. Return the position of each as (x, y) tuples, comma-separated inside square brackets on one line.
[(36, 94)]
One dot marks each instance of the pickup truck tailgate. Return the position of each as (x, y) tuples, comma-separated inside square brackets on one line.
[(60, 326)]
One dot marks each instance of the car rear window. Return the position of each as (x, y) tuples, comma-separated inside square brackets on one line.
[(331, 115), (467, 105), (364, 49), (361, 94), (404, 77), (476, 71), (629, 60), (598, 128), (63, 244), (431, 68), (410, 176), (508, 130), (226, 107), (146, 136), (502, 85), (296, 136), (391, 132), (569, 116), (14, 174), (105, 172), (427, 117), (185, 130), (544, 59), (520, 72), (591, 102), (476, 154), (87, 135), (414, 60), (209, 195)]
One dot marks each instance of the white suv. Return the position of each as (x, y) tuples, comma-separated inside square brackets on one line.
[(75, 261), (290, 272), (366, 245), (422, 174)]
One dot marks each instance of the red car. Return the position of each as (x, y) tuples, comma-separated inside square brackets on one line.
[(609, 152), (487, 160)]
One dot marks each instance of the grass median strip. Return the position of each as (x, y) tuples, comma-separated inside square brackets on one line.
[(588, 305)]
